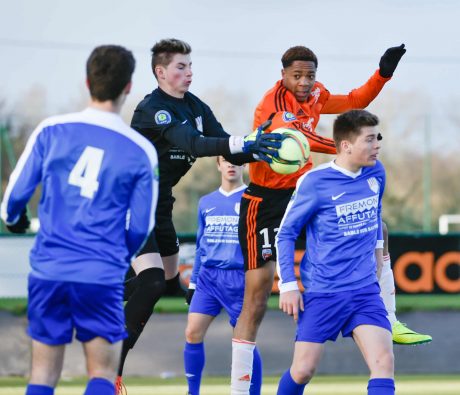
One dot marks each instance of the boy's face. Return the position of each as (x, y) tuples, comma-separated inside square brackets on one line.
[(177, 76), (299, 78), (230, 172), (363, 152)]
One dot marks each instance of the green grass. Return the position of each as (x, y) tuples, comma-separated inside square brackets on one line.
[(17, 306), (404, 303), (321, 385)]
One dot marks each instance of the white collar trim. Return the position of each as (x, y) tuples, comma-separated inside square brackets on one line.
[(345, 171), (225, 193)]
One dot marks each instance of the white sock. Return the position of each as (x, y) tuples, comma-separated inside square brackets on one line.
[(388, 290), (242, 360)]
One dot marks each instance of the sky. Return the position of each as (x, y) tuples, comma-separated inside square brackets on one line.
[(237, 45)]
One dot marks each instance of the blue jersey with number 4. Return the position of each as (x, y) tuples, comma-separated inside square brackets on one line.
[(99, 193), (341, 211)]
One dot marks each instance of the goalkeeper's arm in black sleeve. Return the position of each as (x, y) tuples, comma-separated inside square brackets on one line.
[(236, 148)]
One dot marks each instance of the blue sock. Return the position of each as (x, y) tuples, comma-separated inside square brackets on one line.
[(287, 386), (194, 359), (381, 387), (35, 389), (256, 381), (99, 386)]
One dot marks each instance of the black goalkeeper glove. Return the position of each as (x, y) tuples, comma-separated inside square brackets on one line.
[(390, 59), (189, 296), (264, 145), (21, 225)]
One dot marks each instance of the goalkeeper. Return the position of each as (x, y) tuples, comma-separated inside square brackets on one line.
[(182, 128)]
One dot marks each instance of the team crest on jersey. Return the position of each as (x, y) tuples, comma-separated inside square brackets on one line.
[(162, 117), (266, 253), (237, 208), (199, 123), (288, 116), (373, 184)]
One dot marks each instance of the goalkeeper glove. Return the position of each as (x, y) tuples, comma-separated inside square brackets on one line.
[(263, 145), (21, 225), (390, 59)]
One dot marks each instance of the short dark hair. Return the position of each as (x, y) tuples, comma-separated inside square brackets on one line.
[(298, 53), (109, 69), (347, 126), (164, 50)]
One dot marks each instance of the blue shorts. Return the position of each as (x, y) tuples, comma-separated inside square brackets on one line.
[(216, 289), (325, 315), (56, 308)]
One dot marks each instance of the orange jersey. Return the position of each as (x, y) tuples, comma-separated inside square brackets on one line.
[(279, 100)]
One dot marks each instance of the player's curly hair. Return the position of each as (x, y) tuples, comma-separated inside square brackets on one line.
[(164, 50), (298, 53), (109, 69), (347, 126)]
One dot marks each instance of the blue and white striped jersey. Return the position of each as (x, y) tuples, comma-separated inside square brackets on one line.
[(217, 242), (99, 192), (341, 211)]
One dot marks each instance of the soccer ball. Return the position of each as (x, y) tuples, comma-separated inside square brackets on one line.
[(294, 152)]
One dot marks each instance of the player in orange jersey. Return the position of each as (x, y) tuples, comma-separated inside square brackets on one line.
[(297, 100)]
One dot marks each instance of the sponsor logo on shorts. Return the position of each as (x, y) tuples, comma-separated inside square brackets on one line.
[(162, 117), (266, 253), (246, 377)]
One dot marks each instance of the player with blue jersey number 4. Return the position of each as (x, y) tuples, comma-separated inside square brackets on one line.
[(99, 193)]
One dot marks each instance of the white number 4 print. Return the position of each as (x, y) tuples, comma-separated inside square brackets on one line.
[(86, 170)]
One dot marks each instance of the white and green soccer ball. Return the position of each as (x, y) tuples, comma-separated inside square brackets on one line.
[(294, 152)]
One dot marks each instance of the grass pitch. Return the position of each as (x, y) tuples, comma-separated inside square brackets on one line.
[(405, 303), (321, 385)]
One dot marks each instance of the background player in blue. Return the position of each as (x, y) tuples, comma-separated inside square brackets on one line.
[(182, 128), (218, 273), (339, 205), (99, 193)]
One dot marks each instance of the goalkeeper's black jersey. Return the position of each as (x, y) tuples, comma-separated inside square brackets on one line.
[(176, 127)]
